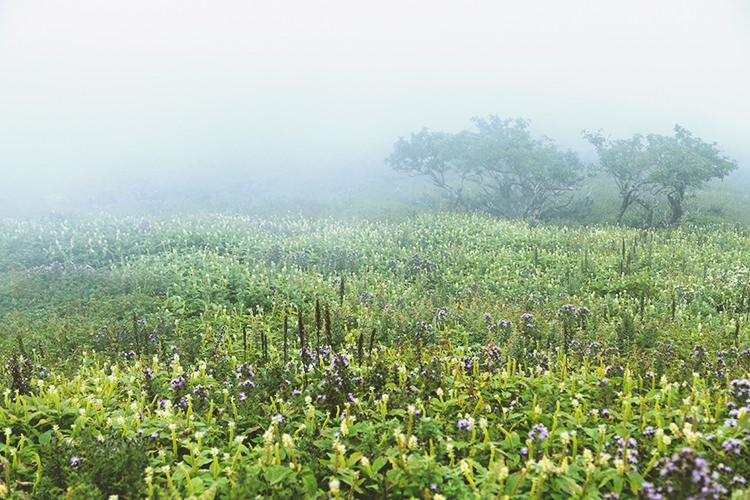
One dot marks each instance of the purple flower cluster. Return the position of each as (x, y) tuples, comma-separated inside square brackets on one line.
[(687, 475), (177, 382), (572, 310), (626, 448), (464, 424), (739, 390), (732, 445), (538, 433)]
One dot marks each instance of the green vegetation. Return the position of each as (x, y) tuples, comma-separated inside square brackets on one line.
[(647, 170), (430, 356), (500, 169)]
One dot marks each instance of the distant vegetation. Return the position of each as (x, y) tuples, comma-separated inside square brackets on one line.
[(501, 169)]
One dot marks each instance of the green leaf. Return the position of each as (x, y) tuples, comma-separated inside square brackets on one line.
[(378, 463), (311, 484), (45, 438), (277, 474), (197, 483)]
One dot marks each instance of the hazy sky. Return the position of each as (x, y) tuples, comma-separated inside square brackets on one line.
[(91, 86)]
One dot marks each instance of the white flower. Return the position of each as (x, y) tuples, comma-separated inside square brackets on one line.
[(335, 486), (287, 440), (413, 442)]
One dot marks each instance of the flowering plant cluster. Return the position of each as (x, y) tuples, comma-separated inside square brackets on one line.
[(488, 362)]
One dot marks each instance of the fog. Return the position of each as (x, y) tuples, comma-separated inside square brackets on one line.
[(107, 99)]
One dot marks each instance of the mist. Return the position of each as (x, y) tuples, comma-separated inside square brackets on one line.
[(103, 103)]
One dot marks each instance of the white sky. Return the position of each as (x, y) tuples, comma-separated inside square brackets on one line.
[(91, 86)]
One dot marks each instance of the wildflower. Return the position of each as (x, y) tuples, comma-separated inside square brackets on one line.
[(413, 442), (620, 466), (547, 464), (335, 486), (539, 432), (464, 423), (565, 438), (732, 445), (268, 437), (74, 461), (465, 467)]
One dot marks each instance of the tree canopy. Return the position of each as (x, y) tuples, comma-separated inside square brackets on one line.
[(648, 170), (498, 167)]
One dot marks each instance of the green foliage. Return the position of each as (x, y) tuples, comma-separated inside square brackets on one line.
[(506, 359), (498, 168), (655, 168)]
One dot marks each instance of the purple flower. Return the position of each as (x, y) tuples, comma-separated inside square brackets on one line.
[(74, 461), (539, 432), (464, 424), (732, 444)]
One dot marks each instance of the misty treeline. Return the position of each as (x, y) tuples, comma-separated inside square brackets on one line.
[(500, 168)]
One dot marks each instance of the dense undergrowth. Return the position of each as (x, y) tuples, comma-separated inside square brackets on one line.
[(432, 356)]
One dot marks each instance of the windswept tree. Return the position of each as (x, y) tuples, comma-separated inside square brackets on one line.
[(497, 167), (649, 169), (435, 155), (682, 164), (627, 162)]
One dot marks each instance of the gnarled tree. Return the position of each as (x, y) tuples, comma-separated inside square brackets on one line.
[(497, 167), (652, 168)]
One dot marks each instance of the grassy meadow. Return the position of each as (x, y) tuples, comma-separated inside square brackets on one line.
[(429, 356)]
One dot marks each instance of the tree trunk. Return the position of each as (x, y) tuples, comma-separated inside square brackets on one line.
[(648, 219), (627, 200), (675, 206)]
